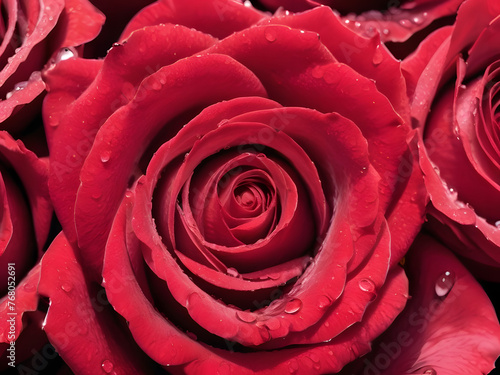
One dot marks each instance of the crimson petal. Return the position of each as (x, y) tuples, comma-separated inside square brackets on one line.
[(93, 326)]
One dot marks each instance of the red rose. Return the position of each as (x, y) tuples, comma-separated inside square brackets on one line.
[(222, 181), (461, 163), (26, 215), (32, 33)]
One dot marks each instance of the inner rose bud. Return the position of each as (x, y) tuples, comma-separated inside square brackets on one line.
[(243, 209)]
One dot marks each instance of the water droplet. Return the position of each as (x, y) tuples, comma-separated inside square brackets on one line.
[(246, 316), (293, 306), (444, 283), (417, 20), (366, 285), (430, 371), (377, 56), (29, 287), (370, 31), (293, 366), (232, 272), (53, 121), (20, 85), (497, 224), (193, 299), (314, 358), (270, 34), (317, 72), (405, 23), (96, 195), (156, 85), (67, 287), (386, 31), (357, 24), (107, 366), (105, 156), (324, 301), (65, 54), (274, 276)]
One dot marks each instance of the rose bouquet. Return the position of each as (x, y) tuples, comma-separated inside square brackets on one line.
[(258, 188)]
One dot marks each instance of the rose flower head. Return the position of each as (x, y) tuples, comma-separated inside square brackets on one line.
[(215, 172)]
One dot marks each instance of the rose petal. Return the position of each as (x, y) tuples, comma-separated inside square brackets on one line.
[(65, 105), (218, 18), (151, 330), (33, 173), (80, 22), (93, 326), (449, 325), (26, 300), (368, 56)]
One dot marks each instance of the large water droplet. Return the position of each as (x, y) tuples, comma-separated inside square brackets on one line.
[(367, 285), (246, 316), (444, 283), (105, 156), (65, 54), (107, 366), (293, 306), (270, 34), (67, 287)]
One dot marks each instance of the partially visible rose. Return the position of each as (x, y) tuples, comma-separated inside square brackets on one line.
[(26, 215), (402, 23), (33, 32), (448, 326), (253, 186), (461, 162)]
